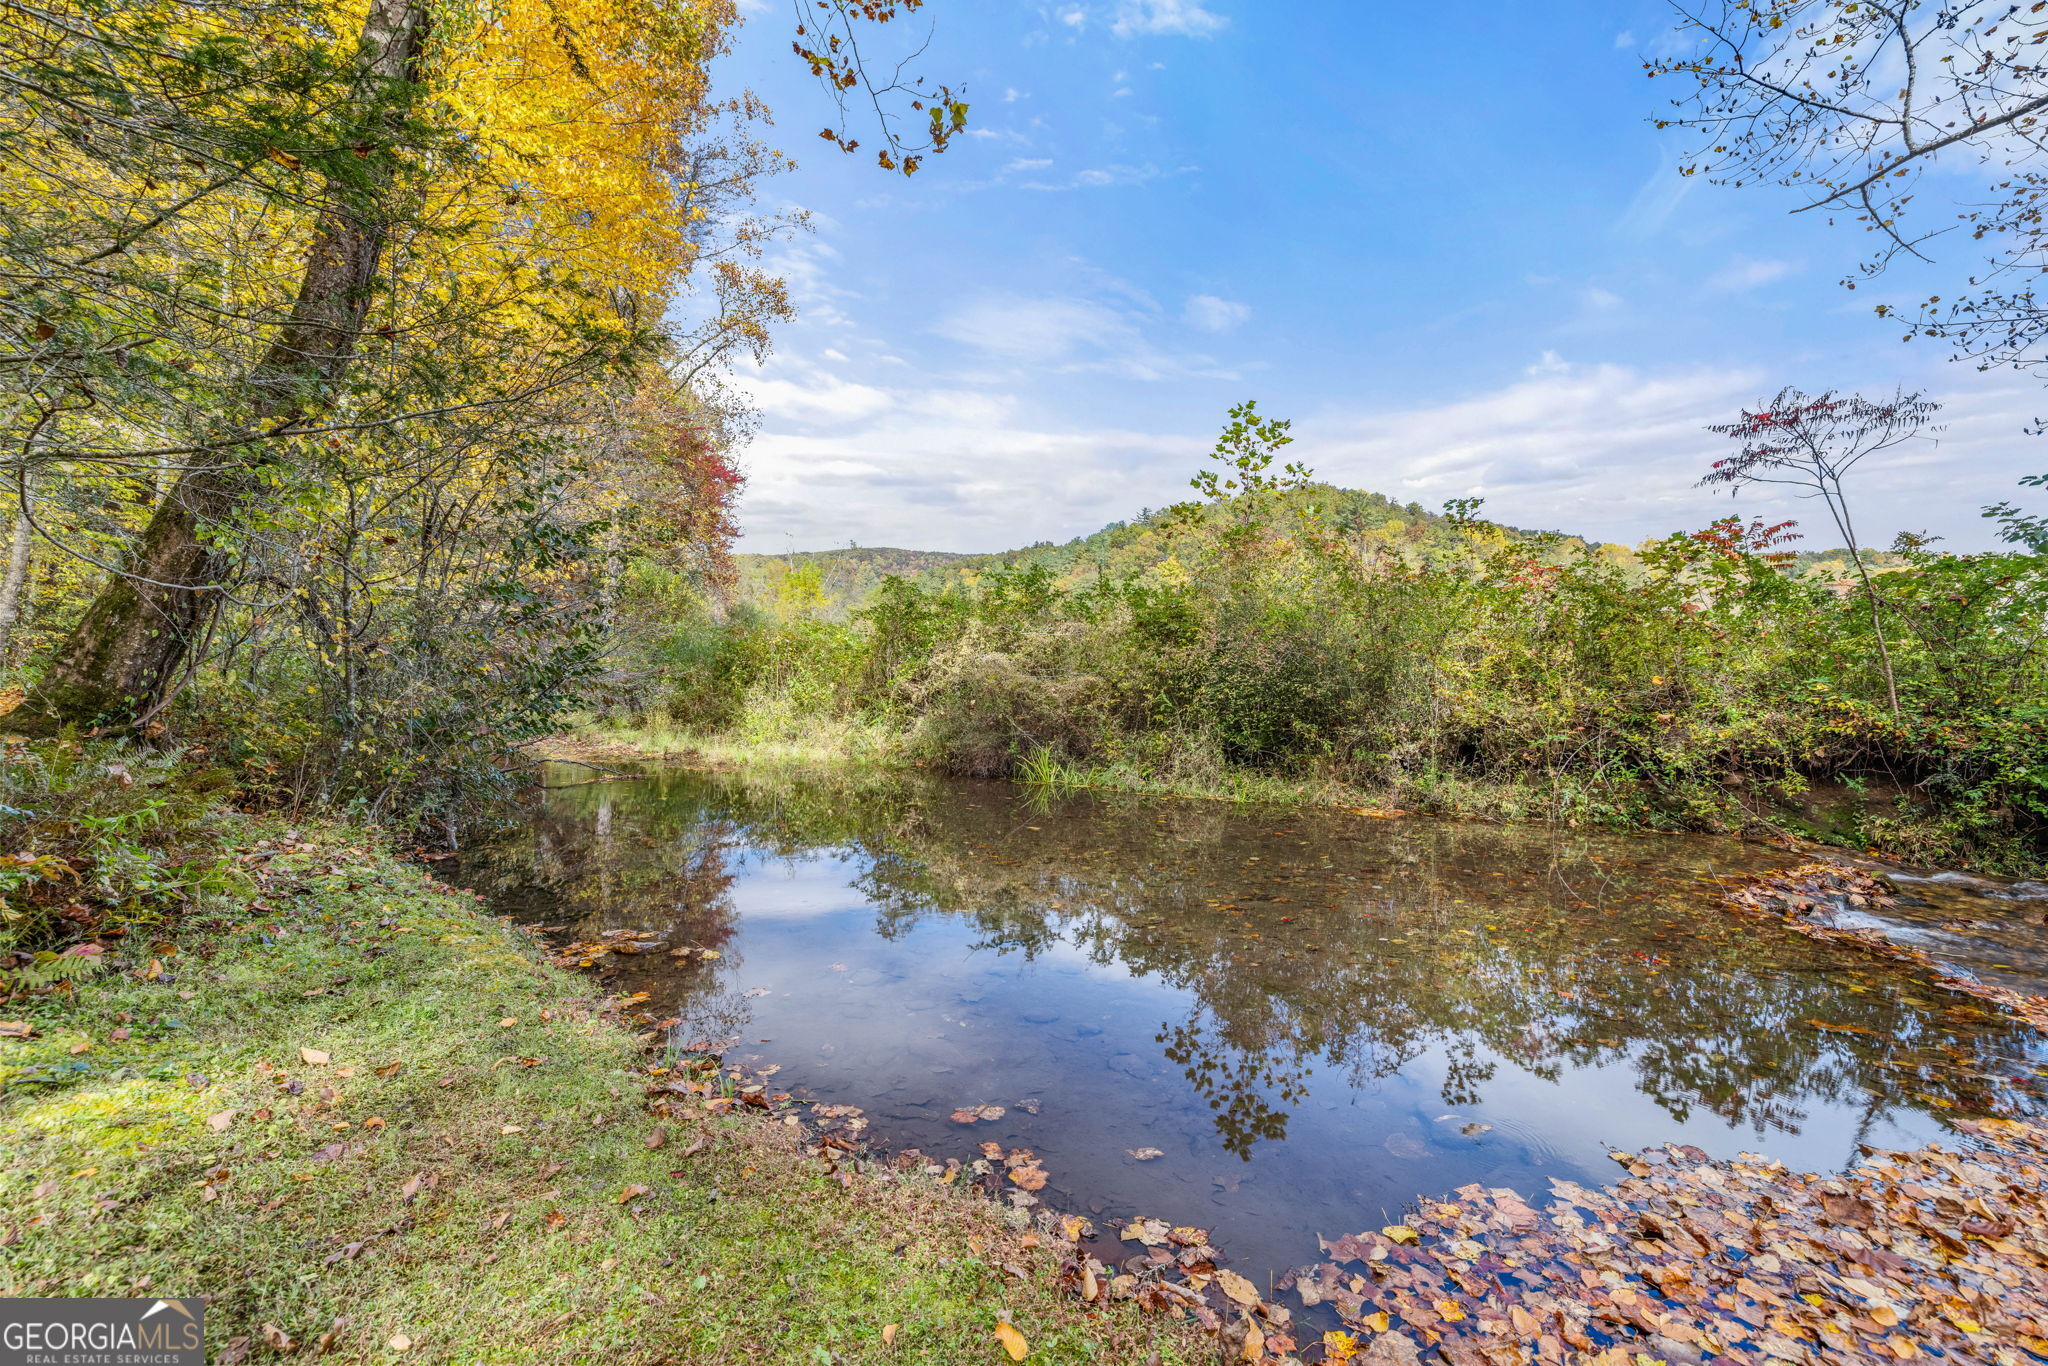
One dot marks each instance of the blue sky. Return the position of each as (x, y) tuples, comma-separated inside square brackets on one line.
[(1446, 242)]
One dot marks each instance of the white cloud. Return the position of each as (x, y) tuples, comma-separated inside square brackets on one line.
[(1598, 300), (1036, 331), (950, 471), (1609, 451), (1624, 40), (1186, 18), (1027, 164), (814, 399), (1744, 273), (1615, 452), (1549, 363), (1211, 314), (1074, 17), (1098, 178)]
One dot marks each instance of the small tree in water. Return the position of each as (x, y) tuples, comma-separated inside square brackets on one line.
[(1811, 442)]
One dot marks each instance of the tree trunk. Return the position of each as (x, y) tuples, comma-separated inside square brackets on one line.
[(129, 647), (13, 585)]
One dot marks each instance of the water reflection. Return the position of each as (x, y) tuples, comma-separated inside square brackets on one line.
[(1316, 1017)]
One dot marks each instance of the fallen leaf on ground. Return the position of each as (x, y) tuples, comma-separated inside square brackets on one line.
[(1013, 1341), (399, 1342), (313, 1057), (221, 1120), (631, 1193), (889, 1334)]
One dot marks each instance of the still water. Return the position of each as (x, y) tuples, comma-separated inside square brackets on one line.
[(1314, 1017)]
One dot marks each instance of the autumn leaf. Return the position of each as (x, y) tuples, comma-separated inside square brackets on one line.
[(1145, 1154), (1238, 1288), (399, 1342), (631, 1193), (1401, 1233), (313, 1057), (889, 1331), (220, 1120), (1013, 1341), (974, 1113), (1030, 1178)]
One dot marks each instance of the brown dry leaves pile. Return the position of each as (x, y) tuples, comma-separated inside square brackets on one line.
[(1927, 1254)]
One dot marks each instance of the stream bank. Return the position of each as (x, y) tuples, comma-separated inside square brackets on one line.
[(370, 1122)]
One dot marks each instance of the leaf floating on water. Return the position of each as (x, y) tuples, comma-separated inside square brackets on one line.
[(1474, 1129), (1238, 1288), (974, 1113), (755, 991), (1029, 1178), (1150, 1232), (1145, 1154), (1401, 1233)]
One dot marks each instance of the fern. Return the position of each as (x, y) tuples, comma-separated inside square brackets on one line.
[(48, 969)]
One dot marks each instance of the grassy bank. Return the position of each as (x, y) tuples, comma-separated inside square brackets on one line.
[(363, 1116)]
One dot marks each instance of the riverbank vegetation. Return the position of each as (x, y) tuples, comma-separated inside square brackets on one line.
[(369, 1121), (1281, 637)]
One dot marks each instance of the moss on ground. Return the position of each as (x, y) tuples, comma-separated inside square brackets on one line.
[(366, 1118)]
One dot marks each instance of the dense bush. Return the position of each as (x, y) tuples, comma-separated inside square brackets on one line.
[(1699, 682)]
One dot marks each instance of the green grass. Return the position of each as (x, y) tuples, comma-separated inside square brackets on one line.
[(474, 1204), (811, 740)]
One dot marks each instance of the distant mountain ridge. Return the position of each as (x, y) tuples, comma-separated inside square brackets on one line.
[(846, 576)]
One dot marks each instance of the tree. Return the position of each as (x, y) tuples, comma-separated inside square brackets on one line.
[(1853, 103), (402, 243), (1812, 442), (126, 649)]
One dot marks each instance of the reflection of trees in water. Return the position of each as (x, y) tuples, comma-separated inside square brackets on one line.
[(1477, 945), (597, 858)]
